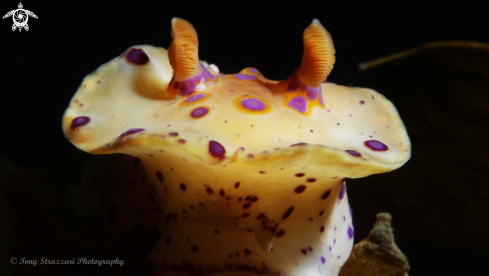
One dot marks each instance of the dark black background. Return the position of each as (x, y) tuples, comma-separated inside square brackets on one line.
[(42, 68)]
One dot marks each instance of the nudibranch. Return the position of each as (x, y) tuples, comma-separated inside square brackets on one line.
[(249, 172)]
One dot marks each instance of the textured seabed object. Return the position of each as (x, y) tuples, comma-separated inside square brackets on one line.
[(377, 254)]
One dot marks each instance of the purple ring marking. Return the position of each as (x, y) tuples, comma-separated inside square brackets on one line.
[(199, 112), (354, 153), (137, 56), (216, 149), (79, 121), (298, 103), (253, 104), (130, 132), (244, 77), (376, 145), (350, 232), (342, 192), (195, 97)]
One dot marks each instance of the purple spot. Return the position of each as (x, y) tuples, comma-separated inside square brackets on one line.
[(299, 189), (342, 192), (183, 187), (244, 77), (298, 103), (174, 134), (299, 174), (131, 131), (321, 229), (354, 153), (137, 56), (253, 70), (195, 97), (187, 86), (351, 211), (236, 185), (79, 121), (232, 90), (310, 180), (288, 213), (253, 104), (350, 232), (376, 145), (362, 102), (330, 248), (216, 149), (323, 260), (159, 176), (199, 112), (326, 194), (280, 233)]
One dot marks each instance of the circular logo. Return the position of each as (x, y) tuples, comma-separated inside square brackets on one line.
[(13, 260), (20, 17)]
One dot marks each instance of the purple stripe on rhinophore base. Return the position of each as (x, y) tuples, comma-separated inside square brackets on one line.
[(321, 101), (298, 103), (245, 77), (207, 74), (312, 93), (188, 85)]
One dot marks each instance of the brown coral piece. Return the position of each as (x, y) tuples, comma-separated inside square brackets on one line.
[(377, 254)]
